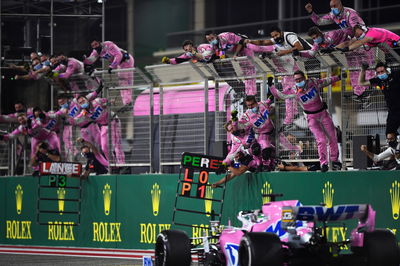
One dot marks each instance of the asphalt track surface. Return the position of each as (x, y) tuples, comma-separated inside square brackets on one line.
[(41, 260)]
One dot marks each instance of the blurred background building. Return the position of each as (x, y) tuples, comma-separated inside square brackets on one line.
[(148, 29)]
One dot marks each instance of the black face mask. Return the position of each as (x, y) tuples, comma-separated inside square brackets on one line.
[(64, 62), (392, 144), (89, 155), (98, 49), (279, 40)]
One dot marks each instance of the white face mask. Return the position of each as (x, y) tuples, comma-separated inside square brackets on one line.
[(362, 36)]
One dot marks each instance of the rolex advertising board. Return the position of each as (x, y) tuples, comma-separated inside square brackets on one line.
[(129, 211)]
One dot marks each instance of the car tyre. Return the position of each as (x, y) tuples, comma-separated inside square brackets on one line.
[(381, 249), (172, 248), (260, 249)]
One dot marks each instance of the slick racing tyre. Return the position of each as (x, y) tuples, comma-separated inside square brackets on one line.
[(381, 249), (260, 249), (172, 248)]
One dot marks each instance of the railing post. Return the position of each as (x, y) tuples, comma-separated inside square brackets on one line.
[(151, 129), (206, 115), (161, 106), (343, 126)]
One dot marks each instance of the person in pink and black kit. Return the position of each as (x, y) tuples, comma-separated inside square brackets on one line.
[(307, 93), (231, 42), (118, 59), (202, 53), (326, 42), (70, 109), (70, 66), (345, 18), (257, 117), (96, 111)]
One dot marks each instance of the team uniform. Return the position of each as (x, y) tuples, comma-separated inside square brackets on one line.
[(227, 42), (98, 113), (318, 118), (73, 67), (346, 20), (286, 64), (205, 49), (260, 122), (119, 59)]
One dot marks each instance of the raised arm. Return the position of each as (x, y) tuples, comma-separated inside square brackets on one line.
[(92, 58), (278, 94), (361, 76), (322, 83)]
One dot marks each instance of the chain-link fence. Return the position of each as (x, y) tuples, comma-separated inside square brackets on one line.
[(190, 103)]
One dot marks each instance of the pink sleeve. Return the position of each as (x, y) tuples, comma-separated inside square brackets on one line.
[(13, 134), (324, 20), (92, 58), (183, 57), (310, 53), (116, 53), (101, 101), (70, 70), (91, 96)]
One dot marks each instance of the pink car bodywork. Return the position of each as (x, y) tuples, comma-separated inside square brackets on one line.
[(271, 221)]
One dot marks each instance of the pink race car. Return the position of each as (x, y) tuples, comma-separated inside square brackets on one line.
[(285, 233)]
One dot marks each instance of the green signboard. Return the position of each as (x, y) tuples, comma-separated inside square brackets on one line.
[(129, 211)]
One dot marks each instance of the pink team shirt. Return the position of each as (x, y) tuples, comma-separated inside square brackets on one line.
[(331, 39), (205, 49), (259, 121), (346, 20), (74, 67), (309, 97), (110, 51)]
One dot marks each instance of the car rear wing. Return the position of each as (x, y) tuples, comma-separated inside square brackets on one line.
[(319, 213)]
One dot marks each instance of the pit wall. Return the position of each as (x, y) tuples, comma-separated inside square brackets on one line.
[(127, 212)]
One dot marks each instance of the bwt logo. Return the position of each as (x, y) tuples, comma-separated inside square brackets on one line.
[(260, 121), (97, 112), (309, 95), (310, 213), (342, 23), (73, 111), (51, 124)]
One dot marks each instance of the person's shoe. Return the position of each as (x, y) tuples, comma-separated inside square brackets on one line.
[(324, 168), (336, 166)]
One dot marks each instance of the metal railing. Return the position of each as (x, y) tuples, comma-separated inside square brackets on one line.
[(183, 107)]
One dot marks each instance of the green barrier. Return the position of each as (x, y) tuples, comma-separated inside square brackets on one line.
[(129, 211)]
